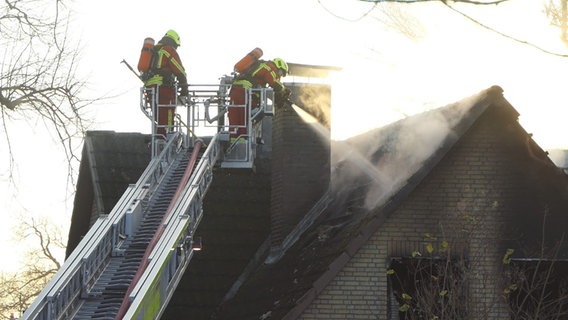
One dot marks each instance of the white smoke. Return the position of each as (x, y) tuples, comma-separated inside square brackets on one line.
[(390, 155)]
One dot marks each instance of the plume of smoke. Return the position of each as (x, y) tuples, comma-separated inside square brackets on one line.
[(316, 100), (385, 158), (382, 160)]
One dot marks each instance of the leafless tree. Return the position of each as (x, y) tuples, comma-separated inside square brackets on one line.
[(433, 282), (38, 81), (391, 15), (557, 12), (480, 2), (20, 288), (536, 289)]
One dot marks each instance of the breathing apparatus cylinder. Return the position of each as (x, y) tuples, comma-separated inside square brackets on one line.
[(248, 61), (146, 55)]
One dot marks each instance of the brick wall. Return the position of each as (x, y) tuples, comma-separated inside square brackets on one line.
[(467, 200), (300, 161)]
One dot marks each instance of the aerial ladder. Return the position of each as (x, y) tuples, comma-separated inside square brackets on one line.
[(129, 263)]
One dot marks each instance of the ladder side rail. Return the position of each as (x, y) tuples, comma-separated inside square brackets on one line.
[(151, 291), (105, 241), (179, 238), (167, 264), (44, 307), (93, 249), (71, 267), (188, 173), (158, 166), (172, 254), (108, 243), (118, 232), (62, 305), (98, 251), (89, 253)]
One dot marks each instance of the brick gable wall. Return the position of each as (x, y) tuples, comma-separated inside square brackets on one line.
[(467, 200)]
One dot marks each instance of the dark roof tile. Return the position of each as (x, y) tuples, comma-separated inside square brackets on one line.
[(405, 153)]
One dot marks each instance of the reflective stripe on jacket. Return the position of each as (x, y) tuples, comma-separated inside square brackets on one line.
[(243, 83), (166, 65), (267, 73)]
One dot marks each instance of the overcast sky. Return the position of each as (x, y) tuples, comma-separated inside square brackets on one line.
[(385, 75)]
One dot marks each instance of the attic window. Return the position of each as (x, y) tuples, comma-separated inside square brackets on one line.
[(537, 289), (427, 288)]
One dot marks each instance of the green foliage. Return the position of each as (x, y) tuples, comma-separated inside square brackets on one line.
[(435, 286), (507, 256), (430, 287)]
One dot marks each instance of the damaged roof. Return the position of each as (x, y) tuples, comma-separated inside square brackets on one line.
[(259, 286), (404, 153)]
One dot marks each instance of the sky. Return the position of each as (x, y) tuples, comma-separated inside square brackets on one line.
[(385, 76)]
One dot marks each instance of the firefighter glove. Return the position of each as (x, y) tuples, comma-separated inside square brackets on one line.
[(286, 93), (184, 91)]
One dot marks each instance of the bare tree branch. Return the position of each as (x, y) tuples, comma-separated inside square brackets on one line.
[(20, 288), (444, 1), (365, 14), (557, 15), (503, 34), (38, 71)]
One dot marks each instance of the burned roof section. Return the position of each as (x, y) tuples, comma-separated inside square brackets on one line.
[(372, 175)]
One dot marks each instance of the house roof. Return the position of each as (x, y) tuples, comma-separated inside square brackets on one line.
[(110, 161), (406, 152), (232, 267), (234, 224)]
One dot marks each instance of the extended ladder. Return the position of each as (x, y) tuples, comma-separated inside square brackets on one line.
[(150, 267)]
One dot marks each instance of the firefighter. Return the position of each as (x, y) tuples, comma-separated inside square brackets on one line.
[(167, 73), (266, 73)]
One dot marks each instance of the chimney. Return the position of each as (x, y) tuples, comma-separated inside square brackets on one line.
[(300, 158)]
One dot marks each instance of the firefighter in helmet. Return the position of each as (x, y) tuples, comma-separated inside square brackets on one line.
[(167, 74), (266, 73)]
